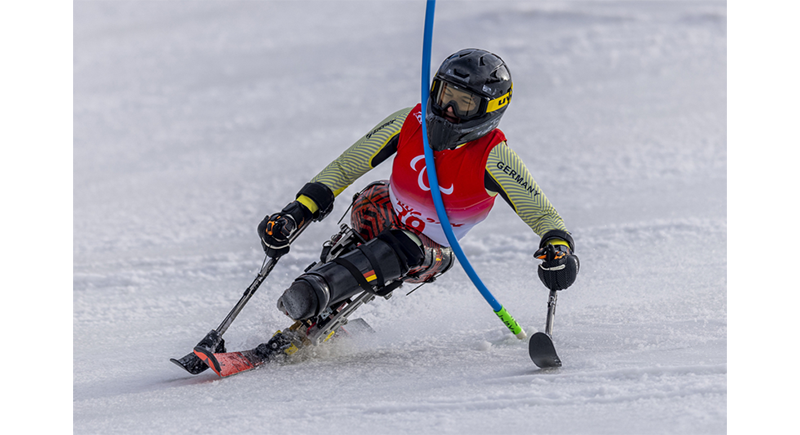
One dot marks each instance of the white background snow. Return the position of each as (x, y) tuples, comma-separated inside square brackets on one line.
[(193, 120)]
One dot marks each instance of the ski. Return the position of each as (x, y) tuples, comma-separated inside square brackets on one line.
[(210, 352), (229, 363), (225, 364), (286, 343), (542, 351)]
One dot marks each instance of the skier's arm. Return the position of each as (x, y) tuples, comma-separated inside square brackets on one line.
[(508, 176), (315, 200), (369, 151)]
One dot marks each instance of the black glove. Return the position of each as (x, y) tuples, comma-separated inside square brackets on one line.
[(276, 230), (559, 267)]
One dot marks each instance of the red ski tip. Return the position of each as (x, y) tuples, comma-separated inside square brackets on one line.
[(227, 364)]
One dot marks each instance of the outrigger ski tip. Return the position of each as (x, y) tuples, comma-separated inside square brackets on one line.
[(541, 347), (543, 351)]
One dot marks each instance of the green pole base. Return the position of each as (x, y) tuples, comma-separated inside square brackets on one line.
[(511, 324)]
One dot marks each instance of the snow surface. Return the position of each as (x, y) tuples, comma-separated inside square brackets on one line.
[(193, 120)]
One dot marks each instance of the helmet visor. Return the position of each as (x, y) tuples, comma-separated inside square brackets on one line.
[(465, 104)]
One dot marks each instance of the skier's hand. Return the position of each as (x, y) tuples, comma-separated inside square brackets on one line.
[(559, 266), (276, 230)]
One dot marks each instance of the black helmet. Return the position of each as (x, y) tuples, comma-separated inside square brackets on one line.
[(477, 85)]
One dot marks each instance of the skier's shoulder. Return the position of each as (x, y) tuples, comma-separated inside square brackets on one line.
[(489, 142), (402, 114), (392, 123)]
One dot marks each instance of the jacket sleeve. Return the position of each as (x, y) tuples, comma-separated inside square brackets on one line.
[(368, 152), (507, 175)]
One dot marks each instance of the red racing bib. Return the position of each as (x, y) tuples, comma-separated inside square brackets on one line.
[(460, 173)]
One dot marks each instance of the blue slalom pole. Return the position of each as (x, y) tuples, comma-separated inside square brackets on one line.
[(433, 181)]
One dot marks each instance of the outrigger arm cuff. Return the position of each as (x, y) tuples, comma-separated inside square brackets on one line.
[(322, 195), (557, 234)]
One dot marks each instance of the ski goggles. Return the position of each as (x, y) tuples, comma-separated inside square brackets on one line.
[(466, 104)]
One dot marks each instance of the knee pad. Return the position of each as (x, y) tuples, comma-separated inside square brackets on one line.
[(371, 267)]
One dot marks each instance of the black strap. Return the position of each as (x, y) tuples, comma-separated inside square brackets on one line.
[(409, 256), (359, 277), (398, 247), (363, 283)]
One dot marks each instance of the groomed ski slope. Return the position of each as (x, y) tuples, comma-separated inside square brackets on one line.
[(193, 120)]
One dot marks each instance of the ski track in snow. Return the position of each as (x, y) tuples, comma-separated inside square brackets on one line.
[(194, 120)]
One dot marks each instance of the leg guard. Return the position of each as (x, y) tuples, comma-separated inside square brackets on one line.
[(371, 266), (373, 214)]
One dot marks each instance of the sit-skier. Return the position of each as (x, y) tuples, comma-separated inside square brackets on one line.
[(404, 240)]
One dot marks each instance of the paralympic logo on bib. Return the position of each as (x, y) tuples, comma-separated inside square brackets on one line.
[(422, 177)]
